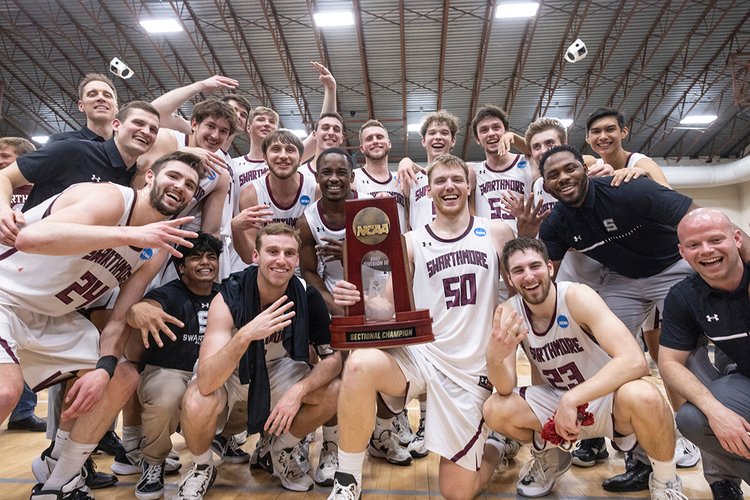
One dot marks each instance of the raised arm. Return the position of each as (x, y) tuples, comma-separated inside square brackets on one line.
[(329, 105), (508, 331), (169, 103)]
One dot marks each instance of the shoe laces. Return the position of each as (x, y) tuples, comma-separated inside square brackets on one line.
[(345, 492), (535, 470), (289, 464), (232, 447), (195, 482), (328, 456), (153, 473)]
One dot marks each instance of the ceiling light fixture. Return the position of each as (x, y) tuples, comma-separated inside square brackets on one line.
[(414, 127), (161, 25), (41, 139), (698, 119), (299, 133), (566, 122), (334, 18), (513, 10)]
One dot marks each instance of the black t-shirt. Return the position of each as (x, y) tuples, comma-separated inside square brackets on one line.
[(82, 134), (630, 229), (176, 299), (58, 166), (693, 309)]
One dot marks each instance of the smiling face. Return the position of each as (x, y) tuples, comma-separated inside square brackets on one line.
[(329, 133), (374, 143), (199, 268), (334, 177), (277, 257), (137, 133), (261, 126), (489, 132), (98, 102), (241, 112), (210, 134), (172, 187), (565, 178), (530, 275), (710, 244), (7, 156), (449, 189), (438, 139), (282, 159), (605, 136), (542, 142)]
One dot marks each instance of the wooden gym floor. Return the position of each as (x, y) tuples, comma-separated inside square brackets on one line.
[(382, 480)]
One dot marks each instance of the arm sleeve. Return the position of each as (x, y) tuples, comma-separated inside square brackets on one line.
[(556, 246), (679, 329), (46, 164), (319, 320)]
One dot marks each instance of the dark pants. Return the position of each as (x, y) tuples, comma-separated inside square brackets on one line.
[(25, 407)]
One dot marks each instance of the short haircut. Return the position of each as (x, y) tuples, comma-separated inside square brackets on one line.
[(521, 245), (603, 112), (560, 149), (261, 111), (284, 136), (19, 144), (440, 117), (95, 77), (335, 151), (368, 124), (216, 109), (188, 159), (204, 243), (448, 160), (489, 111), (329, 115), (241, 100), (542, 125), (125, 111), (274, 229)]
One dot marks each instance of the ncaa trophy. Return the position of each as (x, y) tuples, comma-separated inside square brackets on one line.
[(375, 261)]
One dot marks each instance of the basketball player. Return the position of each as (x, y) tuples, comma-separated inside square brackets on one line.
[(64, 163), (168, 369), (587, 357), (458, 254), (97, 100), (712, 303), (264, 320), (281, 195), (328, 133), (375, 178), (95, 237)]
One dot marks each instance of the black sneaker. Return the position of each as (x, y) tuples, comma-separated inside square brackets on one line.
[(94, 479), (151, 484), (229, 450), (74, 489), (589, 452), (726, 490), (110, 444)]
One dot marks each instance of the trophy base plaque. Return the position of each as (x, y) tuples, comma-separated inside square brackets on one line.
[(409, 327)]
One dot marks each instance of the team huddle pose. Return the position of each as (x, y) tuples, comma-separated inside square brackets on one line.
[(146, 272)]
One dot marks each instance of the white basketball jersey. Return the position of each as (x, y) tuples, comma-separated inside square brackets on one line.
[(457, 281), (308, 171), (633, 159), (287, 214), (58, 284), (364, 183), (491, 184), (565, 354), (421, 208), (247, 171)]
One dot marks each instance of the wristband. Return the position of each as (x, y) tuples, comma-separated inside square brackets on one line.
[(108, 364)]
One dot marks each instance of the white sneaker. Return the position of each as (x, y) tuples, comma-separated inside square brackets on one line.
[(129, 463), (417, 447), (75, 489), (686, 453), (172, 464), (345, 487), (196, 483), (301, 453), (229, 450), (386, 446), (43, 465), (537, 478), (261, 457), (287, 469), (672, 490), (402, 428), (328, 464)]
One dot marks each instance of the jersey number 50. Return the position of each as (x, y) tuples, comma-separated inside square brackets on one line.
[(460, 290)]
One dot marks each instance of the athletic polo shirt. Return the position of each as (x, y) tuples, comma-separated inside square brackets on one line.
[(82, 134), (630, 229), (58, 166), (177, 300), (692, 309)]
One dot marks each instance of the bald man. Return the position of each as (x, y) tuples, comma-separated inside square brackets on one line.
[(713, 303)]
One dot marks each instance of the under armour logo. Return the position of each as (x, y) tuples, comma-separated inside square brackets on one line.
[(576, 238), (426, 244), (205, 305), (95, 178), (712, 317), (318, 229)]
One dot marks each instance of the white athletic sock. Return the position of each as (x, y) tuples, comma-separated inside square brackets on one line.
[(131, 437), (383, 424), (351, 463), (206, 457), (69, 464), (331, 434), (60, 439), (663, 471), (286, 440)]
